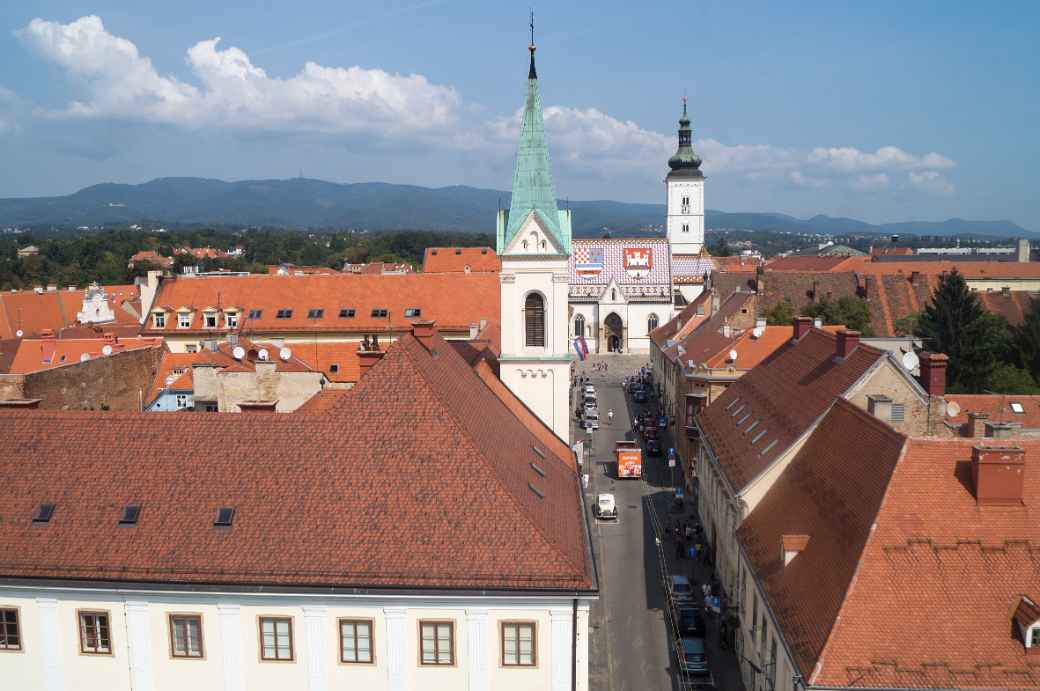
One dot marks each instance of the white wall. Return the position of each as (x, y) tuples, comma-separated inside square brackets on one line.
[(685, 242), (140, 661)]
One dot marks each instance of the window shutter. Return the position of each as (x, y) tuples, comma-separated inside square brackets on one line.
[(534, 321)]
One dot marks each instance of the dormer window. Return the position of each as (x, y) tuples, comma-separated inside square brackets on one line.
[(159, 320), (1027, 618), (184, 320), (231, 320), (209, 320)]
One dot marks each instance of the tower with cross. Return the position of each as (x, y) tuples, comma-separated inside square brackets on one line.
[(685, 194)]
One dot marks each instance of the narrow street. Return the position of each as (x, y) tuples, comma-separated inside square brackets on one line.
[(630, 644)]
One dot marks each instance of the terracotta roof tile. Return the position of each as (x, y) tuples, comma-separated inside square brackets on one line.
[(460, 260), (998, 408), (31, 312), (37, 354), (821, 264)]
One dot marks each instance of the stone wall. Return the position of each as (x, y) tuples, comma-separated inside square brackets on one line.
[(118, 382)]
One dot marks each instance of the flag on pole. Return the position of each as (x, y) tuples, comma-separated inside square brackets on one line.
[(584, 346), (578, 350)]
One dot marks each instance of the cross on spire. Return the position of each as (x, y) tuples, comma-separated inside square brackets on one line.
[(532, 73)]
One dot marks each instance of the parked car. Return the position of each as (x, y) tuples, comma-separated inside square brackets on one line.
[(681, 591), (605, 508), (689, 622), (653, 447), (639, 395), (591, 418), (693, 658), (589, 389)]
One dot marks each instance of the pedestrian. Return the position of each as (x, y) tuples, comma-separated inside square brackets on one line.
[(610, 416)]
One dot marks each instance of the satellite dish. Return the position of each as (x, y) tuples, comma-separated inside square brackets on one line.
[(263, 354), (910, 361), (84, 357), (19, 333), (758, 331), (106, 350), (239, 352), (952, 409), (285, 354), (732, 356)]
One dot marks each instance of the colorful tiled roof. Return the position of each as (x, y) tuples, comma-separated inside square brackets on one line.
[(598, 262), (785, 396), (689, 268), (460, 260), (432, 489), (38, 354)]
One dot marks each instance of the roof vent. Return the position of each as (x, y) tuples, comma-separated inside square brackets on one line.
[(225, 515), (43, 513), (791, 546), (131, 512)]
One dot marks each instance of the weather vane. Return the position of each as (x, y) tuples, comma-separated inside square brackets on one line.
[(532, 27)]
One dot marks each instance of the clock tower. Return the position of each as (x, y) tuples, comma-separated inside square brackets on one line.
[(685, 202)]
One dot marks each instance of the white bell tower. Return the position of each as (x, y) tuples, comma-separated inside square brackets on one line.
[(685, 202)]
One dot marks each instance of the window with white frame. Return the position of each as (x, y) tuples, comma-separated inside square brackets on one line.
[(182, 400), (686, 227), (518, 644), (355, 640), (159, 320), (184, 320), (437, 642), (231, 320), (209, 320)]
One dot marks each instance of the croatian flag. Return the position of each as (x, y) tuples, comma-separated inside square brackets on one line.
[(588, 261), (581, 347)]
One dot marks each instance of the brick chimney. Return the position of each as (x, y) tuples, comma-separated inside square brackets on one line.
[(997, 475), (367, 360), (977, 424), (847, 342), (423, 330), (257, 406), (801, 327), (933, 373)]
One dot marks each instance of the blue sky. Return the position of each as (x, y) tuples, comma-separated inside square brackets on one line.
[(882, 111)]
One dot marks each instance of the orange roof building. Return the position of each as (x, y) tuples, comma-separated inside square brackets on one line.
[(28, 313), (37, 354), (460, 260)]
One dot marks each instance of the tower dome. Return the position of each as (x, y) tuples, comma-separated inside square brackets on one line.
[(685, 162)]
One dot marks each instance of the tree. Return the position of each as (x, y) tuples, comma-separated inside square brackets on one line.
[(781, 313), (1025, 340), (849, 311), (955, 323), (1007, 378), (720, 248), (906, 326)]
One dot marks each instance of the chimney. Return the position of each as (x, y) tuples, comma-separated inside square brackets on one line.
[(977, 424), (933, 373), (1023, 250), (801, 327), (997, 474), (1001, 430), (760, 323), (367, 360), (791, 546), (880, 407), (257, 406), (847, 342), (21, 403), (915, 276), (423, 330)]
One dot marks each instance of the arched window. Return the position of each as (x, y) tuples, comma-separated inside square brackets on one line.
[(534, 321), (651, 323), (579, 325)]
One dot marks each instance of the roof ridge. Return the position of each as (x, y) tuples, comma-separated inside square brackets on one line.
[(410, 341)]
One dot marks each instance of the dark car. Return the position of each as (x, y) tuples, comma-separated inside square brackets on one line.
[(693, 659), (690, 622), (653, 447), (639, 395)]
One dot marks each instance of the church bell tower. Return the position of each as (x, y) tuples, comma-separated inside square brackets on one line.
[(533, 240), (685, 202)]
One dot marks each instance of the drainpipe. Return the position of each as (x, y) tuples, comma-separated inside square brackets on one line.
[(574, 644)]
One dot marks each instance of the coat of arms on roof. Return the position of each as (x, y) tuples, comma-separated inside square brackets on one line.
[(638, 261), (588, 261)]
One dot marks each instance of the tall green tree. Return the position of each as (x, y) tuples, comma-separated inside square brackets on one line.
[(955, 323), (852, 312), (1025, 340)]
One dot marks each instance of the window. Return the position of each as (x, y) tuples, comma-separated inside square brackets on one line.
[(185, 635), (1035, 634), (534, 321), (347, 313), (276, 638), (438, 642), (255, 314), (182, 400), (315, 314), (355, 640), (898, 412), (380, 313), (413, 312), (334, 367), (231, 320), (43, 513), (131, 512), (159, 320), (225, 516), (94, 633), (686, 227), (191, 348), (1017, 408), (651, 323), (579, 325), (10, 638), (518, 644), (209, 319), (283, 314), (772, 664), (184, 320)]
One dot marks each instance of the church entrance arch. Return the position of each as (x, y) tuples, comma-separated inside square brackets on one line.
[(615, 333)]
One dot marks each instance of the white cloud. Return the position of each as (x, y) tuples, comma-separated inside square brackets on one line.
[(931, 181), (799, 179), (848, 159), (874, 181), (119, 82)]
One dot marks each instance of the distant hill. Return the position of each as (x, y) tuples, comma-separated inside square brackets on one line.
[(306, 203)]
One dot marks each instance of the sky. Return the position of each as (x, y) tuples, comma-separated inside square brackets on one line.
[(882, 111)]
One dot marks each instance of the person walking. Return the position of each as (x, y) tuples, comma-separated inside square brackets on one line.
[(610, 416)]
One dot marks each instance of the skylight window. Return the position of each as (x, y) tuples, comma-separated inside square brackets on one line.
[(540, 493), (255, 314), (43, 513), (283, 314), (752, 426), (743, 419), (378, 312), (769, 446), (536, 468), (315, 314), (758, 436), (413, 312), (735, 401), (738, 410), (347, 313), (225, 515), (541, 454), (1017, 408), (131, 512)]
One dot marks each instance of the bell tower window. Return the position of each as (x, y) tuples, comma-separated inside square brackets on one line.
[(579, 325), (534, 321)]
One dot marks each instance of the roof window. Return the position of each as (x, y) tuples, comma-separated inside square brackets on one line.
[(540, 493), (131, 512), (752, 426), (225, 515), (733, 403), (315, 314), (1017, 408), (413, 312), (541, 454), (347, 313), (379, 312), (334, 367), (737, 411), (255, 314), (43, 513), (754, 440), (538, 469), (743, 419), (433, 251), (769, 446), (458, 252), (483, 251), (283, 314)]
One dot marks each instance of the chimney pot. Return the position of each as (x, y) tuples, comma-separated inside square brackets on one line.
[(933, 373), (1001, 430), (423, 330), (847, 342), (801, 327), (998, 474), (367, 360), (977, 424)]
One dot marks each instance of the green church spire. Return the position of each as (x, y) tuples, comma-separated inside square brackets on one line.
[(532, 182)]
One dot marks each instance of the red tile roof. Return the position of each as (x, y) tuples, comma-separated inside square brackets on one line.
[(460, 259), (32, 312), (969, 269), (152, 257), (821, 264), (455, 301), (689, 318), (431, 489), (737, 264), (708, 338), (996, 407), (785, 395), (35, 355), (339, 361)]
